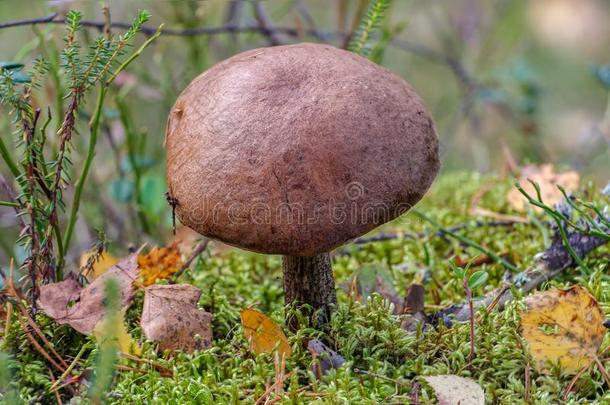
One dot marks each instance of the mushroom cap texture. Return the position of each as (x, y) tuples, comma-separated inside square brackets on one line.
[(297, 149)]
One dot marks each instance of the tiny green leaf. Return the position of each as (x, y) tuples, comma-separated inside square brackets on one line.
[(458, 271), (477, 279)]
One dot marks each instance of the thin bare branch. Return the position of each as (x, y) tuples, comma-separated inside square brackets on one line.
[(550, 263)]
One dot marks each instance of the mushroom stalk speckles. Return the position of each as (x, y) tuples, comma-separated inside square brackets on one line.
[(309, 280), (295, 150)]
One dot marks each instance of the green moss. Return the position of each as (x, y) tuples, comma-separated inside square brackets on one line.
[(368, 336)]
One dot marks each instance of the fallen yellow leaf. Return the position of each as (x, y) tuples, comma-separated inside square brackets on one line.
[(159, 263), (103, 263), (564, 326), (111, 331), (264, 334), (548, 181)]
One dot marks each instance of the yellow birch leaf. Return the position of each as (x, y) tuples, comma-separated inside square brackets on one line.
[(104, 262), (159, 264), (111, 331), (548, 181), (263, 334), (563, 326)]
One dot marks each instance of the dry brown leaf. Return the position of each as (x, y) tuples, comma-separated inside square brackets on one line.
[(83, 308), (548, 181), (172, 318), (264, 334), (413, 309), (159, 264), (101, 265), (453, 390), (414, 301), (564, 326)]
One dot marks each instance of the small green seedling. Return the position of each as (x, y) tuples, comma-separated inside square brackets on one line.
[(474, 280), (471, 281)]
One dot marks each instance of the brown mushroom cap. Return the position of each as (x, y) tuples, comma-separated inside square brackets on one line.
[(297, 149)]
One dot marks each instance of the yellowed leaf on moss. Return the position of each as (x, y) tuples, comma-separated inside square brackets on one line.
[(548, 181), (111, 331), (263, 333), (159, 264), (564, 326), (103, 263)]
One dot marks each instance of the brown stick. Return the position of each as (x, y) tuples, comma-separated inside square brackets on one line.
[(41, 335), (37, 346), (552, 261), (310, 281), (199, 249)]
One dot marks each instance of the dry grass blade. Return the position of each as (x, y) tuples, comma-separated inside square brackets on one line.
[(38, 347)]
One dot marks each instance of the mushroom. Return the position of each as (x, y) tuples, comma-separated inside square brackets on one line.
[(295, 150)]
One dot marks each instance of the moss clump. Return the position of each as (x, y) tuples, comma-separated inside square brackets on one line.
[(367, 335)]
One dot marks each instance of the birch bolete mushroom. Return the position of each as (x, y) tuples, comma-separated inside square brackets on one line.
[(295, 150)]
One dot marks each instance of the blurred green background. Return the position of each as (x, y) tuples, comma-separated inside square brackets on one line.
[(504, 79)]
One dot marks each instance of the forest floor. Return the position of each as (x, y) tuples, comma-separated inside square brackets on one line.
[(384, 363)]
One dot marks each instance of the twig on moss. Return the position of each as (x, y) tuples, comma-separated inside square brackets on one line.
[(573, 381), (199, 249), (381, 377), (550, 263), (406, 235), (271, 388), (38, 347), (467, 242), (41, 335), (57, 383)]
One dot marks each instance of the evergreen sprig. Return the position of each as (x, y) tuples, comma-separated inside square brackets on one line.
[(370, 23), (42, 181)]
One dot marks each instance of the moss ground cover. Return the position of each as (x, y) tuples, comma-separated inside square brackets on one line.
[(383, 362)]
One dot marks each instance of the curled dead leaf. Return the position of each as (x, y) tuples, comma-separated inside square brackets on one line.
[(263, 333), (548, 181), (171, 317), (564, 326), (413, 309), (82, 308), (453, 390)]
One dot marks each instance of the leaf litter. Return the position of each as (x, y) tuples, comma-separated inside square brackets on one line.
[(82, 308), (171, 317)]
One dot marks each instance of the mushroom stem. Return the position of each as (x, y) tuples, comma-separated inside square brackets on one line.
[(309, 280)]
